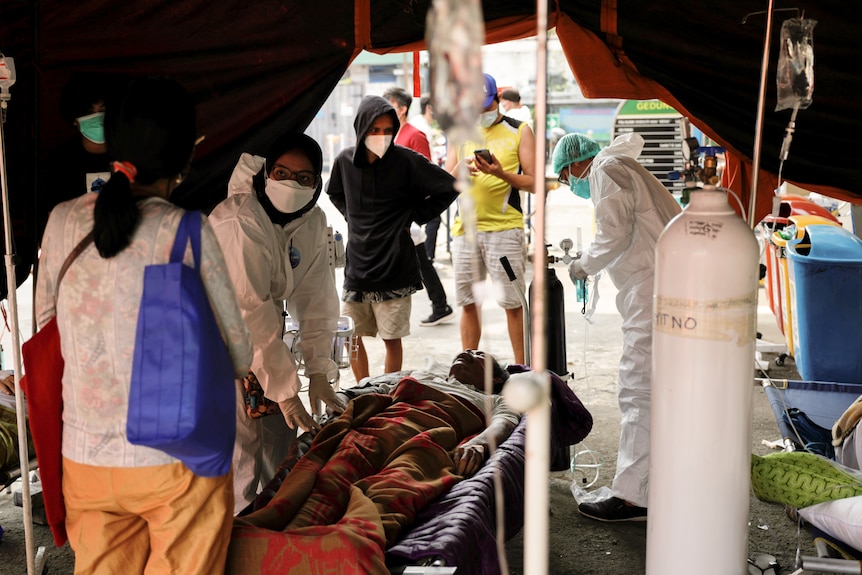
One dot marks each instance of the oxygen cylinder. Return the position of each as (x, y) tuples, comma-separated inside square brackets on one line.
[(555, 321), (561, 459), (704, 335)]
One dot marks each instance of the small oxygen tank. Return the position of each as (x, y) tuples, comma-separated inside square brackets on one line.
[(704, 335), (555, 316), (555, 325)]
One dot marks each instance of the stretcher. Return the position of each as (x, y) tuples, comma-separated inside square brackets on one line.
[(822, 403), (456, 529)]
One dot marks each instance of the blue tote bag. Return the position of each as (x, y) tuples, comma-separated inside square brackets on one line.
[(182, 398)]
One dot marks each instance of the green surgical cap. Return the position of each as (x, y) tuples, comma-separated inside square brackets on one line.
[(573, 148)]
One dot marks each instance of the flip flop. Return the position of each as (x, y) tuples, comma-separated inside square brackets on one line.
[(762, 564)]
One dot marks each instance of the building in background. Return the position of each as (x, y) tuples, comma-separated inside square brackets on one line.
[(513, 65)]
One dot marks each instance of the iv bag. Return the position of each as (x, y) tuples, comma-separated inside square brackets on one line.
[(795, 76)]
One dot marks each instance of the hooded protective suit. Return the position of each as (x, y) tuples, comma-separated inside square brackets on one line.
[(270, 264), (632, 208)]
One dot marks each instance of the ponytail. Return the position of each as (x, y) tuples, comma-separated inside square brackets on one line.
[(115, 216), (151, 129)]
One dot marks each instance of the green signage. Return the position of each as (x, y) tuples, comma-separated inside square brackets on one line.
[(646, 108)]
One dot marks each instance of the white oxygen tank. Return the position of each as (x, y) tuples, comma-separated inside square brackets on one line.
[(704, 334)]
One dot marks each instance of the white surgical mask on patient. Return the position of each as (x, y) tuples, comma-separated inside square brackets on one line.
[(288, 196), (378, 145)]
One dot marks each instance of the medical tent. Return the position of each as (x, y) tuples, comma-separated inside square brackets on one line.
[(257, 68)]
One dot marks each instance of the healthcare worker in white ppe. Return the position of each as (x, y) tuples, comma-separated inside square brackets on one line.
[(274, 239), (632, 207)]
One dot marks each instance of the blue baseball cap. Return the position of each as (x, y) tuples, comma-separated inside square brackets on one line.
[(490, 89)]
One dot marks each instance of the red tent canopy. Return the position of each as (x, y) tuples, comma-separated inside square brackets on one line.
[(261, 67)]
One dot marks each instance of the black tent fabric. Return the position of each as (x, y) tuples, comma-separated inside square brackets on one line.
[(257, 68)]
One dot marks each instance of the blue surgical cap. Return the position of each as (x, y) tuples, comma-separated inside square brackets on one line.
[(573, 148)]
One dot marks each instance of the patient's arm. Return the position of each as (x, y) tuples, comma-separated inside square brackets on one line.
[(471, 455)]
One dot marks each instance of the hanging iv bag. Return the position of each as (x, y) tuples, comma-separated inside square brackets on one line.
[(796, 64)]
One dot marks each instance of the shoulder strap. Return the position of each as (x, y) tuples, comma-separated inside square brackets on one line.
[(82, 245), (189, 230)]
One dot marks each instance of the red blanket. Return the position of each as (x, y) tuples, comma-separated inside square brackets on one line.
[(364, 479)]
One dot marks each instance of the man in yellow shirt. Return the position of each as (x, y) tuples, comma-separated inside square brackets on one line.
[(500, 220)]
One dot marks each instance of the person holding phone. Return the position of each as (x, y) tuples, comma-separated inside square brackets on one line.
[(485, 155), (502, 165)]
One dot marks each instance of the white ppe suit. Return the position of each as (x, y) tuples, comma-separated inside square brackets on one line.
[(632, 208), (258, 256)]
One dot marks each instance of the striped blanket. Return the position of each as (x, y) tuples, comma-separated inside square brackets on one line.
[(365, 478)]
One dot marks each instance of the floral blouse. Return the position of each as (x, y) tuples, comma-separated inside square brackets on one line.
[(97, 312)]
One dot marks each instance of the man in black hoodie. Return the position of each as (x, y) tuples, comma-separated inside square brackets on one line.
[(380, 188)]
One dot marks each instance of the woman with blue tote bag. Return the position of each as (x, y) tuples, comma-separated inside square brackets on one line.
[(132, 508)]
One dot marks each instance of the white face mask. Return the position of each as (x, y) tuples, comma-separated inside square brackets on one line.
[(378, 145), (487, 119), (288, 196)]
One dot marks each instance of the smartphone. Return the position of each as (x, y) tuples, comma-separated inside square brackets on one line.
[(485, 155)]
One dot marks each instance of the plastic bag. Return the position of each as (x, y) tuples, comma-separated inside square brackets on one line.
[(795, 76)]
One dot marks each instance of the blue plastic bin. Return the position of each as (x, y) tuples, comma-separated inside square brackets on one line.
[(825, 267)]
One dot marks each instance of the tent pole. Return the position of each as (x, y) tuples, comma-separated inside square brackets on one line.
[(11, 284), (536, 498), (758, 128)]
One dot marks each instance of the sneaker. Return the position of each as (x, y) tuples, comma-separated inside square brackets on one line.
[(613, 509), (438, 317)]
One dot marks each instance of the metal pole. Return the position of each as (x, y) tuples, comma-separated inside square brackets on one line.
[(758, 128), (539, 416), (11, 284)]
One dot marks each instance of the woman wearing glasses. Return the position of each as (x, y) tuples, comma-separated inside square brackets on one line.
[(274, 238)]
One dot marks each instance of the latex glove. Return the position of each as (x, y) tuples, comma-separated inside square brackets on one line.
[(319, 391), (296, 416), (576, 272)]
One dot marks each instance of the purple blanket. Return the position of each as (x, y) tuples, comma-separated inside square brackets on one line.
[(460, 527)]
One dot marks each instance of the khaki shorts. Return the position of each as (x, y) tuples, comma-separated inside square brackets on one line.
[(475, 263), (390, 318)]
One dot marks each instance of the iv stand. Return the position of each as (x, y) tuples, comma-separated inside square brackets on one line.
[(11, 284)]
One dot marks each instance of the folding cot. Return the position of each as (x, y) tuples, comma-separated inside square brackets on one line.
[(822, 404)]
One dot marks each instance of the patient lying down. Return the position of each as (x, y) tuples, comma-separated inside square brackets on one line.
[(370, 471)]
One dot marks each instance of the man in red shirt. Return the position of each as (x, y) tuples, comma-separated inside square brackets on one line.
[(412, 137)]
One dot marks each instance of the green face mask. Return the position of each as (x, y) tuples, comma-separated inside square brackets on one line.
[(580, 187), (93, 127)]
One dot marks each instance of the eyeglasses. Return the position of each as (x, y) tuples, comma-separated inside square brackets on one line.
[(564, 180), (304, 177)]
